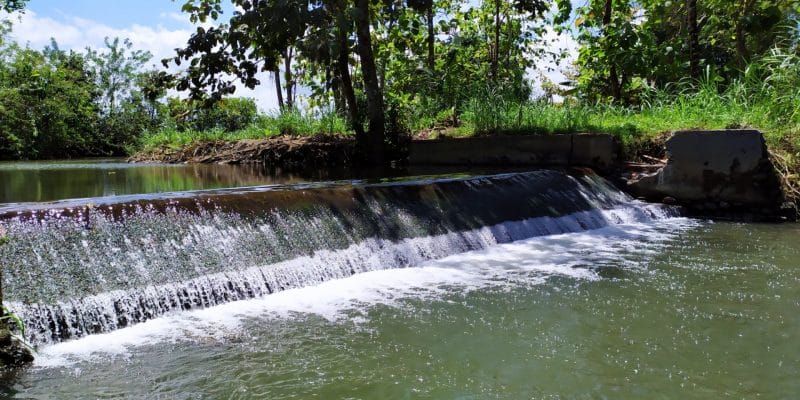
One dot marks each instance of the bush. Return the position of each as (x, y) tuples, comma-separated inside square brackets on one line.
[(231, 114)]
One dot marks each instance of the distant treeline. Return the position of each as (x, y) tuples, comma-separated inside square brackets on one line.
[(59, 104)]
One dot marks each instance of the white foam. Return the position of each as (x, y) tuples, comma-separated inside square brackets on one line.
[(522, 263)]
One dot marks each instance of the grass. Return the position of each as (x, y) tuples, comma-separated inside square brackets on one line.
[(630, 125), (766, 98), (295, 123)]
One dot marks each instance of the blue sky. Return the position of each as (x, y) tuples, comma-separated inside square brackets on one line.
[(115, 13)]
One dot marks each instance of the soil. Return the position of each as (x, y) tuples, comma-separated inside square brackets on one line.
[(286, 152)]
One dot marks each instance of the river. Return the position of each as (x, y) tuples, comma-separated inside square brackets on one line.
[(603, 297)]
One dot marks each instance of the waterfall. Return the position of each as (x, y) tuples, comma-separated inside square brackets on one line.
[(73, 269)]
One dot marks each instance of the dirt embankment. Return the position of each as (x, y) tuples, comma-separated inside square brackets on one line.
[(283, 151)]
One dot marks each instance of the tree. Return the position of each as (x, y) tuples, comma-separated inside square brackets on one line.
[(610, 57), (262, 32), (464, 64), (694, 39), (367, 56), (117, 69), (47, 104), (628, 44), (56, 103), (374, 143), (12, 5)]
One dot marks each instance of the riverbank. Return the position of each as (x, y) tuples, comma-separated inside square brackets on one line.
[(286, 152), (728, 174)]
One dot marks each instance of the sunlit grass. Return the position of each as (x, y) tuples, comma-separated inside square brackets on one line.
[(766, 98), (293, 123)]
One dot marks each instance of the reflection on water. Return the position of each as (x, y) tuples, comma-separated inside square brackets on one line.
[(49, 181), (45, 181)]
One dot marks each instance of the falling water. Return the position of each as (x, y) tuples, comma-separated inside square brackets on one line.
[(75, 269)]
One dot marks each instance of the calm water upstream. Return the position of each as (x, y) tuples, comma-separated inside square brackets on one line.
[(662, 308), (38, 181)]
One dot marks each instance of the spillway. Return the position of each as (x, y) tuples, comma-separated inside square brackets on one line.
[(74, 269)]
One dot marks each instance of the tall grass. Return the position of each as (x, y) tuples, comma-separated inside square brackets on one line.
[(766, 97), (293, 123)]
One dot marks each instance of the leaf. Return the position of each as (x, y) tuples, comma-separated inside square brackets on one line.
[(8, 315)]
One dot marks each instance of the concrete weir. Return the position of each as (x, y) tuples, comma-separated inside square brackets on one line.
[(598, 151), (722, 173)]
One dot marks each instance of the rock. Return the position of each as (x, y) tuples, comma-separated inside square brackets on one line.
[(669, 200), (789, 211), (13, 353), (710, 170), (5, 337)]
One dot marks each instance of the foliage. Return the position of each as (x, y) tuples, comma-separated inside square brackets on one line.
[(765, 97), (229, 114), (12, 5), (406, 58), (47, 104), (58, 104), (290, 122), (116, 71), (627, 45), (390, 66), (6, 315)]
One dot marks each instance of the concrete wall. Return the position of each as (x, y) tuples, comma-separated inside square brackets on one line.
[(716, 173), (598, 151)]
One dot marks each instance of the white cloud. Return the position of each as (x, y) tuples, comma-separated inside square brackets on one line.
[(175, 16), (78, 33)]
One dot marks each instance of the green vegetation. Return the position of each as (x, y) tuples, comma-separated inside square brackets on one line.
[(290, 122), (460, 68), (59, 104), (380, 69), (765, 97)]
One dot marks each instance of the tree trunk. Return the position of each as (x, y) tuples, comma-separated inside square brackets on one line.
[(431, 38), (343, 68), (335, 87), (287, 64), (741, 35), (278, 88), (613, 75), (374, 148), (496, 46), (694, 40), (510, 40)]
